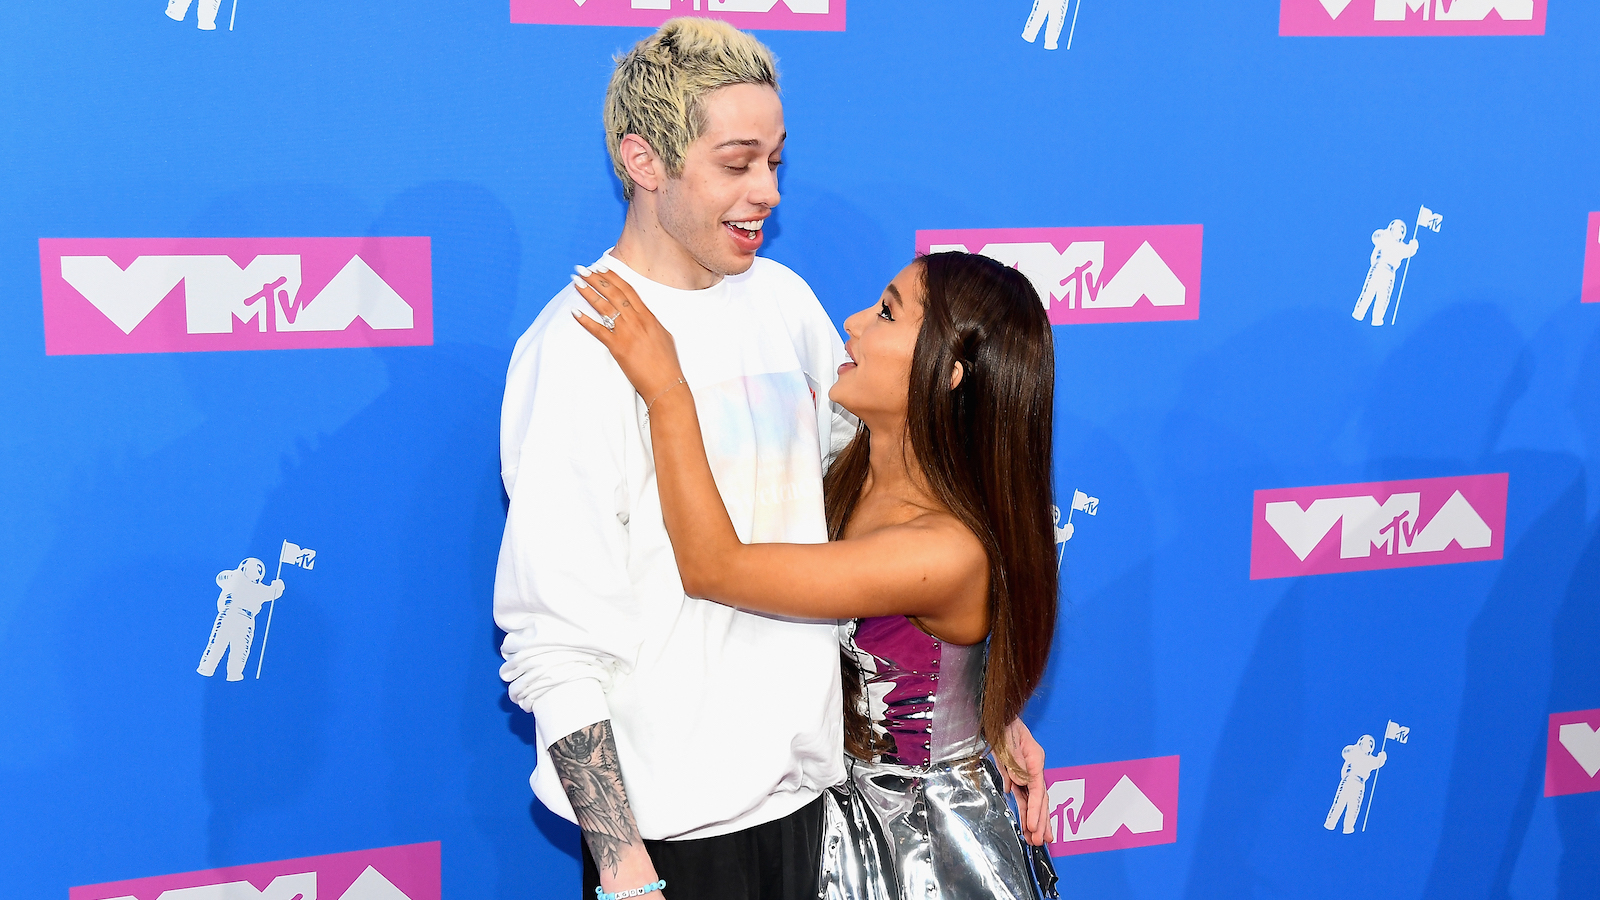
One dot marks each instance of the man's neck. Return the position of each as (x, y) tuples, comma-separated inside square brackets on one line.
[(648, 249)]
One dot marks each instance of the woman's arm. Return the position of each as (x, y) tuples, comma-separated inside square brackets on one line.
[(925, 568)]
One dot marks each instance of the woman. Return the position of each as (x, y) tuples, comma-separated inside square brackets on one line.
[(943, 551)]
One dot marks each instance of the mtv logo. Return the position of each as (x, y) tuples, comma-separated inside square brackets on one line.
[(1591, 261), (1112, 806), (785, 15), (409, 872), (1365, 18), (1379, 525), (1142, 273), (1572, 753), (125, 295)]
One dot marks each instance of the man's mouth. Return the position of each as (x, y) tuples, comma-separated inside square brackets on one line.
[(747, 232)]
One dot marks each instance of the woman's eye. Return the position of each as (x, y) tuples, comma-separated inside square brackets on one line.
[(883, 313)]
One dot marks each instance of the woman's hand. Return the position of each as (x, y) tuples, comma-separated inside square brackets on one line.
[(638, 343), (1030, 794)]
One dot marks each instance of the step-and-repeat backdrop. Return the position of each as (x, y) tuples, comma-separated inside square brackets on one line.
[(1329, 543)]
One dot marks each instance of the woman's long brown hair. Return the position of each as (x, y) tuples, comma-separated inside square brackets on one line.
[(984, 451)]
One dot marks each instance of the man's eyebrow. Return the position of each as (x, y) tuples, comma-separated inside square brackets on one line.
[(749, 142)]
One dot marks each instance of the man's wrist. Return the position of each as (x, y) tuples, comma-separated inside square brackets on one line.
[(634, 870)]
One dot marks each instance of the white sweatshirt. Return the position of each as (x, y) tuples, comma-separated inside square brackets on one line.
[(723, 719)]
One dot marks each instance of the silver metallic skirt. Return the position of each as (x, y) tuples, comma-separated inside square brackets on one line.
[(899, 833)]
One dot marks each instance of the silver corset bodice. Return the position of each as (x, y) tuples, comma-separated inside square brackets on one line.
[(921, 692), (926, 819)]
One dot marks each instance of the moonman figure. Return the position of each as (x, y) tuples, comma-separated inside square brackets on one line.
[(1055, 10), (1389, 249), (1063, 532), (1358, 764), (205, 16), (241, 599)]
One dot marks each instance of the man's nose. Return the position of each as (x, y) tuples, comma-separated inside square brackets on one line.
[(765, 192)]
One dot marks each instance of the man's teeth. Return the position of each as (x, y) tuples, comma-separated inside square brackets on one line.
[(753, 225)]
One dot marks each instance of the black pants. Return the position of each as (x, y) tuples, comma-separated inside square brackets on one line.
[(776, 860)]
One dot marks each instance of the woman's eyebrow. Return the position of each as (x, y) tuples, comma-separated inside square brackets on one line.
[(891, 289)]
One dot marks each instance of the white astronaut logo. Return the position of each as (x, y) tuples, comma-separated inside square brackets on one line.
[(1392, 250), (205, 14), (1051, 15), (243, 593), (1360, 766), (1081, 502)]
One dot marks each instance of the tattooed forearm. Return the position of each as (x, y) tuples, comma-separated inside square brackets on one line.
[(586, 761)]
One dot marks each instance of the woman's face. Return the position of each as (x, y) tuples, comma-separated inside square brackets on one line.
[(881, 339)]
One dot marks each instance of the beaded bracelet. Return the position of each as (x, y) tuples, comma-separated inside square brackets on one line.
[(636, 892)]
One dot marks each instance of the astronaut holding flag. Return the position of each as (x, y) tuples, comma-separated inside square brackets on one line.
[(1360, 765), (238, 604), (243, 594), (1391, 249), (1080, 502)]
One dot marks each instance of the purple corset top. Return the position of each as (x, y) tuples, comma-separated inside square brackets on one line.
[(921, 692)]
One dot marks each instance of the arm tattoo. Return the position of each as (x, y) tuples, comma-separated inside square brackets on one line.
[(586, 762)]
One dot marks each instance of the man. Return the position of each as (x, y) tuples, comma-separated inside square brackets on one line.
[(1056, 12), (241, 600), (1359, 764), (1389, 249), (205, 16), (691, 742)]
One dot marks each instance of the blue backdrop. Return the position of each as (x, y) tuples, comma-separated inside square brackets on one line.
[(131, 479)]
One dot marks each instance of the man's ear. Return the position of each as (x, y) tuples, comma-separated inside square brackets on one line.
[(955, 375), (640, 162)]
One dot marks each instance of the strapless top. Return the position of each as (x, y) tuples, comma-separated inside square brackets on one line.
[(921, 692)]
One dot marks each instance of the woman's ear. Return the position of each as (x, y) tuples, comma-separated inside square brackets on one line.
[(955, 375)]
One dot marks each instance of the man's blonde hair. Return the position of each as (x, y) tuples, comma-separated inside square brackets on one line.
[(658, 89)]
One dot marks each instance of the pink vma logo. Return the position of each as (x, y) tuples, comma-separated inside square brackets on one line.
[(1449, 18), (778, 15), (410, 872), (1140, 273), (1572, 756), (1112, 806), (1591, 262), (165, 295), (1380, 525)]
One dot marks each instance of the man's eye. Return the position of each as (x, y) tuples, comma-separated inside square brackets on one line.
[(738, 168)]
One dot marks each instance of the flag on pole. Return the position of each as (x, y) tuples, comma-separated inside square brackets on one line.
[(1396, 732), (1085, 503), (1429, 219), (295, 555)]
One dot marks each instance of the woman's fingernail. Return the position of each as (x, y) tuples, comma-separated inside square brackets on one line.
[(579, 282), (576, 314), (582, 270), (601, 269)]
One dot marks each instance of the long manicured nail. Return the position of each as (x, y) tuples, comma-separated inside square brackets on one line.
[(579, 282), (601, 269), (582, 270)]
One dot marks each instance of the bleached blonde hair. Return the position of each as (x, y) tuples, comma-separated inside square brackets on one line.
[(658, 88)]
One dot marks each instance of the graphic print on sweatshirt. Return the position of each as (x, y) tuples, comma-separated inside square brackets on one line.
[(761, 440)]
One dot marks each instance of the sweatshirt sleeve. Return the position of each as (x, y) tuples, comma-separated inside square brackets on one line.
[(562, 593)]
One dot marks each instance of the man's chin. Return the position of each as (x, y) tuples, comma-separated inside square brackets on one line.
[(729, 265)]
